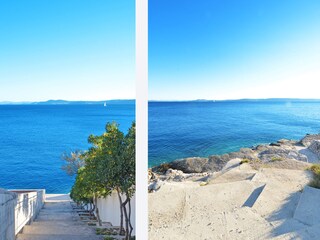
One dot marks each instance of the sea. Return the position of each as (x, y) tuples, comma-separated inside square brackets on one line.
[(34, 137), (203, 128)]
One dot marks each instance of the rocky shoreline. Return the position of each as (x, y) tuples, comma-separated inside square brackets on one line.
[(285, 154)]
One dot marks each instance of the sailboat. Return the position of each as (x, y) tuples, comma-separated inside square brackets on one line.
[(105, 104)]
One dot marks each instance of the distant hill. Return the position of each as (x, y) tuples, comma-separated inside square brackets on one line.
[(65, 102), (245, 100)]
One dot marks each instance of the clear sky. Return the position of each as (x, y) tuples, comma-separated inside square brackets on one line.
[(231, 49), (67, 49)]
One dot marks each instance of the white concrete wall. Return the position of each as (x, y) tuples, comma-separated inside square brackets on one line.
[(109, 209), (29, 204), (7, 217), (17, 208)]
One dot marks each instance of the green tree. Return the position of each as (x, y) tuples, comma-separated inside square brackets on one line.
[(108, 165)]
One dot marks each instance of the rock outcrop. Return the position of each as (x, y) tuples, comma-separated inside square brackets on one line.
[(283, 153), (315, 147), (308, 139), (191, 165)]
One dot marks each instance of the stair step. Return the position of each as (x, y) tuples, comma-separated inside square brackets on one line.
[(281, 194), (276, 202), (298, 177), (58, 229), (308, 209), (57, 237), (233, 175), (60, 205), (58, 223), (42, 218), (56, 210)]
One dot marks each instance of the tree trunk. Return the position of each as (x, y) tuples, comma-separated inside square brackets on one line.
[(121, 213), (131, 228), (126, 219), (93, 207), (97, 210)]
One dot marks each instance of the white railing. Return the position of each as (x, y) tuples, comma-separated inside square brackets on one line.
[(18, 208), (7, 217)]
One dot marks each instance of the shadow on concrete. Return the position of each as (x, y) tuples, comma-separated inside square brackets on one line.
[(253, 196), (283, 220)]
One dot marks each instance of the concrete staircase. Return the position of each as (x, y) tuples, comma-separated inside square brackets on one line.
[(57, 221), (241, 203)]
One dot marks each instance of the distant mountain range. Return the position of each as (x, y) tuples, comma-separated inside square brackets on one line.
[(65, 102), (132, 101), (246, 100)]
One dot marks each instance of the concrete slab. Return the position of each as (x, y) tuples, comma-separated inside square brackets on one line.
[(231, 164), (58, 223), (236, 225), (57, 205), (57, 237), (286, 225), (298, 177), (175, 203), (281, 195), (42, 218), (308, 209), (232, 208), (58, 229), (309, 233), (277, 202), (217, 198), (58, 198), (234, 175)]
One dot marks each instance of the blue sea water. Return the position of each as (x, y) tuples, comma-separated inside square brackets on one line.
[(33, 138), (188, 129)]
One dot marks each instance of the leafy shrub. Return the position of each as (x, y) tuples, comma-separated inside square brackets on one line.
[(315, 182), (245, 160), (109, 238), (274, 159), (315, 168)]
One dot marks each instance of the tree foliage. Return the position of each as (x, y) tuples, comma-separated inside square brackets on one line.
[(107, 166), (74, 161)]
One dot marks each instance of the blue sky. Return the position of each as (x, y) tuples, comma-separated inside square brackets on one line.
[(74, 50), (230, 49)]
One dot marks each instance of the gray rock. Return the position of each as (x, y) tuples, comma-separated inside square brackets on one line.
[(260, 148), (308, 139), (287, 142), (280, 153), (154, 186), (176, 175), (190, 165), (243, 153), (315, 147), (275, 144)]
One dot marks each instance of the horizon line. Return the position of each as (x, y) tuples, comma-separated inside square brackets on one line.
[(43, 101), (238, 99)]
